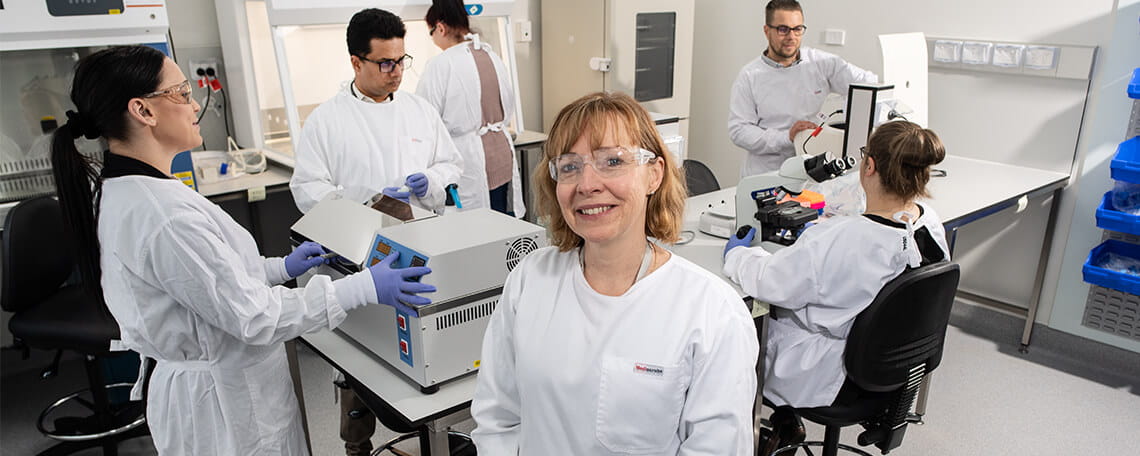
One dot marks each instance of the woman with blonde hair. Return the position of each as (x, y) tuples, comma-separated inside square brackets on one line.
[(605, 343)]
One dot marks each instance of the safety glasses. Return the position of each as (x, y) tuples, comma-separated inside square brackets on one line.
[(180, 93), (388, 65), (784, 30), (608, 162)]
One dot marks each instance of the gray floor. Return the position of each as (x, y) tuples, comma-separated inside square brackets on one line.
[(1067, 396)]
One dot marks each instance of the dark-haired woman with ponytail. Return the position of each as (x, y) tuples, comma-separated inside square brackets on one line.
[(183, 280), (819, 285), (470, 87)]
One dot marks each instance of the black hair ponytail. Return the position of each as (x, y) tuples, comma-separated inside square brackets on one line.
[(103, 85)]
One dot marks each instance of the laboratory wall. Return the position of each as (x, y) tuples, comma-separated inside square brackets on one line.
[(194, 29), (1024, 120)]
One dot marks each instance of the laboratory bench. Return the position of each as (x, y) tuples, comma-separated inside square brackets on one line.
[(261, 203)]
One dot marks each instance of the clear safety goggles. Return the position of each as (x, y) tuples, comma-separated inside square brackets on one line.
[(608, 162), (180, 93)]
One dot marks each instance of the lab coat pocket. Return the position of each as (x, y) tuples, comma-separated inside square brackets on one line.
[(639, 404), (274, 404)]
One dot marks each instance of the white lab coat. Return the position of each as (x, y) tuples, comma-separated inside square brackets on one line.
[(365, 147), (766, 101), (823, 281), (668, 368), (188, 288), (451, 84)]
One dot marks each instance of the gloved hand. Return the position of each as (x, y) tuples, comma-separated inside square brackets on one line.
[(392, 288), (395, 192), (418, 182), (738, 241), (304, 257)]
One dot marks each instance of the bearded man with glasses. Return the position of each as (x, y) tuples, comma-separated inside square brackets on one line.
[(775, 94)]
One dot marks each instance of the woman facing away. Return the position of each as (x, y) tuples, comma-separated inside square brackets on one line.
[(817, 286), (470, 87)]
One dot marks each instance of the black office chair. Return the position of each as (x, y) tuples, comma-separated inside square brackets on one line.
[(893, 344), (51, 314), (699, 178)]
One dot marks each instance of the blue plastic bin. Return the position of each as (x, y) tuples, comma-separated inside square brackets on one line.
[(1126, 163), (1134, 85), (1107, 217), (1096, 275)]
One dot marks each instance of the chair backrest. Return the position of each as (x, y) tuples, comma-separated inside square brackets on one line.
[(37, 253), (903, 327), (699, 178)]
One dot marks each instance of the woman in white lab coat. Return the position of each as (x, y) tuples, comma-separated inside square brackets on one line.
[(819, 285), (605, 343), (183, 280), (471, 88)]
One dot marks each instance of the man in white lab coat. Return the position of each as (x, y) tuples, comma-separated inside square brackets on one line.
[(776, 94), (470, 86), (371, 138)]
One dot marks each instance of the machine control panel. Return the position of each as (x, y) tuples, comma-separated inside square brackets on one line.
[(382, 247)]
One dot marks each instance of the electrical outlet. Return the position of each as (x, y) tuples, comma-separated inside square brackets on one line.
[(525, 32), (203, 65)]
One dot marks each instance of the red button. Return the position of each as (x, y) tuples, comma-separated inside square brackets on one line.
[(404, 347), (401, 322)]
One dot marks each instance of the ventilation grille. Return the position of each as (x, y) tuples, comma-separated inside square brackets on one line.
[(23, 167), (21, 188), (519, 248), (462, 316), (1113, 312)]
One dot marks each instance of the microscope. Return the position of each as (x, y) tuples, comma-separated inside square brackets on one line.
[(833, 153)]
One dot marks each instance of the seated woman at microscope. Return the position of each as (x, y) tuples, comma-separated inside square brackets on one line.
[(818, 285), (605, 343)]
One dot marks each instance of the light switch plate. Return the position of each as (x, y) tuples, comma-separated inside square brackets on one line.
[(835, 37)]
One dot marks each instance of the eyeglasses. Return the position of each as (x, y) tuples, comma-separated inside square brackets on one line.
[(180, 93), (388, 65), (608, 162), (862, 152), (431, 31), (783, 29)]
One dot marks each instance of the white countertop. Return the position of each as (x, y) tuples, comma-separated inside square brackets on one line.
[(971, 188), (387, 383), (273, 175)]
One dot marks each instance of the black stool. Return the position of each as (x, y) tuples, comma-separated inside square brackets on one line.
[(460, 444), (51, 314)]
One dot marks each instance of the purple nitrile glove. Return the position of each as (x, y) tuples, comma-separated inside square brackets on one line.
[(393, 288), (418, 182), (395, 192), (306, 256), (735, 241)]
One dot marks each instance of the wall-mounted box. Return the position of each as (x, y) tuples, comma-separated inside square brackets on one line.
[(1008, 55), (1037, 59), (1041, 57), (976, 52), (947, 51)]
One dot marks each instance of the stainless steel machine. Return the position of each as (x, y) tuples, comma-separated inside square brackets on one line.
[(470, 254)]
